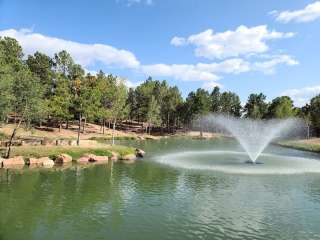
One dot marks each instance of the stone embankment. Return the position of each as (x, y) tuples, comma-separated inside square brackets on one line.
[(19, 162)]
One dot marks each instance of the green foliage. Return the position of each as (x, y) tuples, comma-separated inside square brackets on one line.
[(256, 106), (230, 104), (281, 107), (153, 114), (60, 102), (215, 100), (41, 66), (315, 112)]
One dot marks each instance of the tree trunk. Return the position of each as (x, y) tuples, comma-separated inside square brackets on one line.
[(168, 116), (60, 126), (84, 125), (103, 125), (201, 128), (79, 129), (113, 128), (12, 137), (67, 124)]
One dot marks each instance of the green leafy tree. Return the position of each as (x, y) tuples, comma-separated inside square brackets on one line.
[(281, 107), (215, 100), (315, 113), (230, 104), (64, 63), (256, 106), (153, 115), (60, 102), (28, 100), (41, 65), (305, 114)]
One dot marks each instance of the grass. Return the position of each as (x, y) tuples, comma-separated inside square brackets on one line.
[(301, 146), (108, 138), (75, 152), (3, 136)]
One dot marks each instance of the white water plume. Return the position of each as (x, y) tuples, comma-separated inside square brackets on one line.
[(253, 135)]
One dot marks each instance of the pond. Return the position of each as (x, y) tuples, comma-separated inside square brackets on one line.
[(153, 199)]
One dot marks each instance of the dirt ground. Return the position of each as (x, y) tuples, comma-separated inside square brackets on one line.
[(311, 141), (91, 130)]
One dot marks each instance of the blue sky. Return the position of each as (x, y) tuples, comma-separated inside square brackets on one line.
[(243, 46)]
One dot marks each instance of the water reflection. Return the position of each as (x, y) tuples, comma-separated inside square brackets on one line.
[(147, 200)]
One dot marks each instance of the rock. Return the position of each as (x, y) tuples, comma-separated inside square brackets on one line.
[(47, 162), (35, 161), (94, 158), (84, 159), (114, 157), (43, 161), (129, 157), (90, 157), (100, 158), (63, 158), (18, 160), (140, 153)]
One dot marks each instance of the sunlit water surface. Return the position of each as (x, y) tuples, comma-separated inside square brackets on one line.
[(153, 199)]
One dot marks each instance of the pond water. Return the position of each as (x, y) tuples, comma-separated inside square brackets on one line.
[(155, 199)]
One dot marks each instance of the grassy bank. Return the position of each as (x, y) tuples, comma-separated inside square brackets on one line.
[(304, 145), (74, 151)]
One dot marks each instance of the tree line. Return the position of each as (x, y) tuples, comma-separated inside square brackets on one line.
[(42, 90)]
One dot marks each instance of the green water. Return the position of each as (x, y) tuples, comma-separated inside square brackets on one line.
[(149, 200)]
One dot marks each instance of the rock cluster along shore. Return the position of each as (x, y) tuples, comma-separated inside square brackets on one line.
[(46, 162)]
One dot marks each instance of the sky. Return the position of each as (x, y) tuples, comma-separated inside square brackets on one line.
[(243, 46)]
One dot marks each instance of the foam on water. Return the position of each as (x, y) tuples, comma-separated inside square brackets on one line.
[(234, 162)]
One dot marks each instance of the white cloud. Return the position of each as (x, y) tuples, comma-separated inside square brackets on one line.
[(183, 72), (234, 66), (199, 71), (211, 72), (131, 84), (268, 66), (89, 54), (303, 95), (178, 41), (84, 54), (310, 13), (243, 41), (210, 85)]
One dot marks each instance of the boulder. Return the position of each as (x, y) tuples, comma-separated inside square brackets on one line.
[(35, 161), (90, 157), (140, 153), (129, 157), (63, 158), (100, 158), (84, 159), (47, 162), (18, 160)]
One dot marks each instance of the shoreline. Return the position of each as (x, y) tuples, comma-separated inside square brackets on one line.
[(308, 145)]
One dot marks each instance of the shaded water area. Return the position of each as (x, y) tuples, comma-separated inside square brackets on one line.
[(152, 200)]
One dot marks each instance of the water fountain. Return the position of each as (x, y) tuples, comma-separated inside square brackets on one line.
[(253, 135)]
